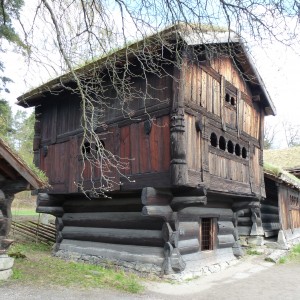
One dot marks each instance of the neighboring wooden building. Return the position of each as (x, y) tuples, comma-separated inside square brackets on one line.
[(197, 165), (280, 210), (15, 176)]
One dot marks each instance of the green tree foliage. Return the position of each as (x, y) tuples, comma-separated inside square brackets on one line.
[(17, 130), (6, 120), (9, 11), (23, 135)]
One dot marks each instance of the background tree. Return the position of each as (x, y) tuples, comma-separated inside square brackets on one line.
[(292, 133), (6, 120), (9, 11)]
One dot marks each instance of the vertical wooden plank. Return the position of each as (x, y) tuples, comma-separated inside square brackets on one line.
[(209, 93), (188, 84), (198, 88), (203, 89), (222, 105), (134, 145), (125, 147), (154, 160), (166, 143), (194, 83), (53, 124), (144, 149), (73, 162)]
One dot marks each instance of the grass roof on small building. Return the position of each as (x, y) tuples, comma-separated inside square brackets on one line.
[(281, 175), (284, 158)]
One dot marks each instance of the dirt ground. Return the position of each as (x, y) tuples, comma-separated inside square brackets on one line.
[(250, 278)]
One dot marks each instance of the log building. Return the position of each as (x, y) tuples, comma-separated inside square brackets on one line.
[(196, 168)]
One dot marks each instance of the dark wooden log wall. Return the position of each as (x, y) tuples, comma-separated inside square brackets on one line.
[(182, 228), (270, 209), (113, 226)]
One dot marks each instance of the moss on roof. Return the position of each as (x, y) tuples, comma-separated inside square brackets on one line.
[(284, 158), (281, 174)]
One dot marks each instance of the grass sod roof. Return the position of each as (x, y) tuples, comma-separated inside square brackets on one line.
[(281, 175), (34, 176), (191, 34), (284, 158)]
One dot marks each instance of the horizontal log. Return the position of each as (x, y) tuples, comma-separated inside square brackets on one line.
[(130, 220), (269, 209), (270, 218), (271, 233), (153, 196), (199, 191), (226, 241), (131, 253), (187, 230), (224, 214), (225, 227), (245, 221), (187, 246), (271, 226), (103, 205), (244, 230), (185, 201), (164, 212), (244, 204), (114, 235), (56, 211), (244, 212), (44, 199)]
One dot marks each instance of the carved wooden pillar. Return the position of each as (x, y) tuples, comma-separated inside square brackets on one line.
[(179, 170), (257, 228)]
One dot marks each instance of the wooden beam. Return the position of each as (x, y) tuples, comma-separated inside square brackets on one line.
[(153, 196), (56, 211), (129, 220), (114, 235), (164, 212), (16, 186), (186, 201), (7, 170), (19, 166)]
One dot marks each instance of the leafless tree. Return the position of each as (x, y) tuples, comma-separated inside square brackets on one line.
[(270, 134), (291, 133), (78, 32)]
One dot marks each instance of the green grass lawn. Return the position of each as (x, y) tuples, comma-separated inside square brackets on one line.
[(293, 255), (34, 264), (23, 212)]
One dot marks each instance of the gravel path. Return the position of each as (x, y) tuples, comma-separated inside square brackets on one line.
[(251, 278)]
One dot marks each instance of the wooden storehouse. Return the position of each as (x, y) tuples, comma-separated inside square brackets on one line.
[(280, 210), (15, 176), (195, 169)]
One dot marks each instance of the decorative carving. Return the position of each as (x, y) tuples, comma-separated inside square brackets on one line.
[(257, 228), (178, 148)]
